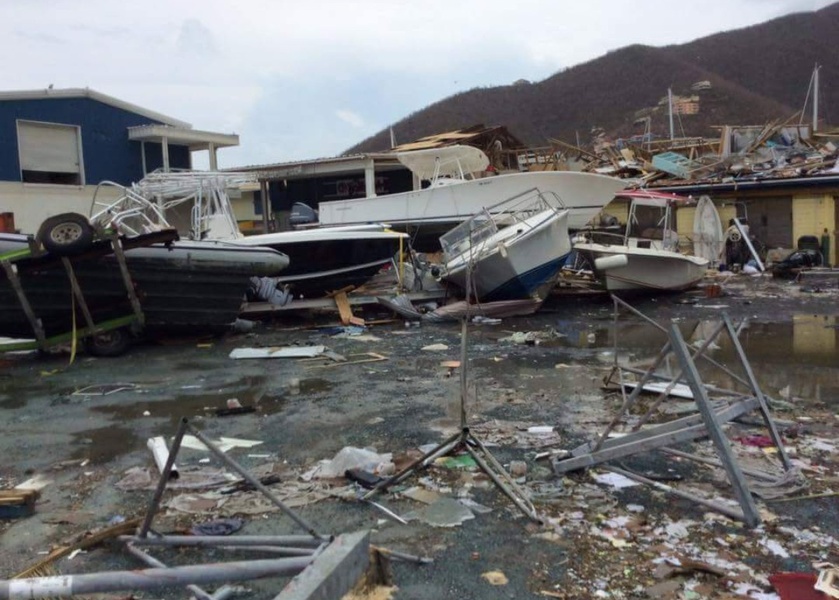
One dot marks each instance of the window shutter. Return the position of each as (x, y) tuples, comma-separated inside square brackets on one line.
[(48, 147)]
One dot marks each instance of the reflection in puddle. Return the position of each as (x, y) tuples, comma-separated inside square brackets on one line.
[(104, 444), (249, 392), (797, 359)]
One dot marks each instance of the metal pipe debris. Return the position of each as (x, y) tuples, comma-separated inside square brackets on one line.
[(254, 481), (225, 540), (153, 562), (149, 579), (164, 479), (279, 550)]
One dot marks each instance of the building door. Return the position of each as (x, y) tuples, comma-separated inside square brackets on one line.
[(770, 220)]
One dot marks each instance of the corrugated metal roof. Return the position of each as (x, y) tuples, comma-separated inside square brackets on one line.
[(48, 94), (314, 161)]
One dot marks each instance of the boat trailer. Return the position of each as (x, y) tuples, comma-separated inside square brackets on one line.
[(109, 242)]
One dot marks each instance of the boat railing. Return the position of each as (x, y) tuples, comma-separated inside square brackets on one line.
[(468, 234), (533, 200), (517, 210), (520, 209), (130, 214), (605, 238)]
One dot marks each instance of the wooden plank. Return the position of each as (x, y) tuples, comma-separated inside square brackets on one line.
[(34, 321), (345, 311), (372, 357), (256, 308), (77, 294)]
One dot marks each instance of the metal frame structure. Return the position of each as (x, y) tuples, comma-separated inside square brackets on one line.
[(464, 439), (708, 423), (323, 566)]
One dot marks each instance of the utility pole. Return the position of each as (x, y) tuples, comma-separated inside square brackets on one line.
[(816, 98), (670, 104)]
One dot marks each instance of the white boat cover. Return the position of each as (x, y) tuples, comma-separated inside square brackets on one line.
[(452, 160), (708, 236)]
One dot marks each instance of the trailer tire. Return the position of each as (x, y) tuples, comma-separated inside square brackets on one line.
[(66, 234), (109, 343)]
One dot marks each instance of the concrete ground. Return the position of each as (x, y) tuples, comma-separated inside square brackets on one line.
[(307, 411)]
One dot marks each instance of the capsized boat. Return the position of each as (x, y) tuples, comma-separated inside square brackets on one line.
[(454, 194), (195, 286), (511, 250), (646, 256)]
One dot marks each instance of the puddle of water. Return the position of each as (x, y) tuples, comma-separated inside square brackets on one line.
[(315, 385), (12, 401), (250, 392), (799, 358), (104, 444)]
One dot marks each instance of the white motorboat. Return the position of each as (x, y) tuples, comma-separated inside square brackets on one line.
[(454, 194), (511, 250), (647, 256)]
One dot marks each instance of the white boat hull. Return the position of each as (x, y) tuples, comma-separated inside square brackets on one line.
[(583, 194), (523, 267), (644, 268)]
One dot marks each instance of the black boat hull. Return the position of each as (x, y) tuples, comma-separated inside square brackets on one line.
[(183, 286), (318, 265)]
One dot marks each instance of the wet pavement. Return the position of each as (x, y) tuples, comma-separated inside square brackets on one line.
[(308, 410)]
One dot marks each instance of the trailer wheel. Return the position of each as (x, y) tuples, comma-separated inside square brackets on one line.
[(65, 234), (109, 343)]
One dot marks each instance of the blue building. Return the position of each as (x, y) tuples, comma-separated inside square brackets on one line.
[(57, 145)]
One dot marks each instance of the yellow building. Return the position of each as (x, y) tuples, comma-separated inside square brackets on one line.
[(779, 211)]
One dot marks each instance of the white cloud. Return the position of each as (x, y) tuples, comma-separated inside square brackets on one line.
[(271, 70), (348, 116), (195, 38)]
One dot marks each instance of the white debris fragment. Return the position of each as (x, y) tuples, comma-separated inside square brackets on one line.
[(615, 480), (774, 547)]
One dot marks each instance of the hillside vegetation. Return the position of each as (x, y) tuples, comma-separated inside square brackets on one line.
[(757, 74)]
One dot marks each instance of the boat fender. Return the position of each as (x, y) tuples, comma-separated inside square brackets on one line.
[(616, 261), (502, 249)]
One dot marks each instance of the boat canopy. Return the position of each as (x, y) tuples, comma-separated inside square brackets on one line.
[(651, 198), (452, 161)]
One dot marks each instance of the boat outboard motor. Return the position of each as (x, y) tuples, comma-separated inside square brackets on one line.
[(302, 214)]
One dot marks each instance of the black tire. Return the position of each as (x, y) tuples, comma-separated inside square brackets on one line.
[(109, 343), (65, 234)]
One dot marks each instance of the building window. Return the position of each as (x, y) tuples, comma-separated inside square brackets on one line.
[(50, 153)]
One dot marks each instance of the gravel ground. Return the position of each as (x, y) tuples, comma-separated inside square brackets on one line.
[(306, 413)]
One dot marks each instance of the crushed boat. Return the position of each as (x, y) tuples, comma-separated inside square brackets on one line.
[(180, 285), (455, 194), (511, 250), (646, 257)]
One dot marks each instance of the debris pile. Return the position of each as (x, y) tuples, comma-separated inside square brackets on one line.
[(775, 150)]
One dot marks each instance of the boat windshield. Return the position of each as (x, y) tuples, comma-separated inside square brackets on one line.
[(468, 234), (647, 222)]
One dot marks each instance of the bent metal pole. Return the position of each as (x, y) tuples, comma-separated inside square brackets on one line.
[(253, 481), (64, 586)]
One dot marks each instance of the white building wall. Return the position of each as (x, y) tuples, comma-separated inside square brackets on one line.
[(32, 204)]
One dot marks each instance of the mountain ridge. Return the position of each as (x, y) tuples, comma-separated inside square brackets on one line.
[(757, 74)]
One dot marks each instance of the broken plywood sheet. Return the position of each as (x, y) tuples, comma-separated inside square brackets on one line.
[(678, 390), (278, 352), (223, 443)]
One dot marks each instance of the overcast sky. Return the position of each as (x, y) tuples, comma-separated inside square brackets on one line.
[(310, 78)]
